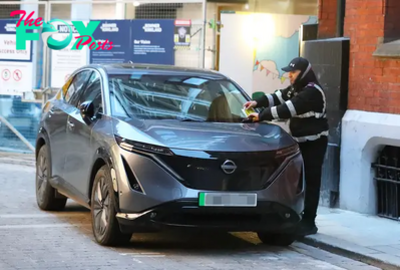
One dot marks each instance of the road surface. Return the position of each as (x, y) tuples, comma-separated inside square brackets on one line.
[(33, 239)]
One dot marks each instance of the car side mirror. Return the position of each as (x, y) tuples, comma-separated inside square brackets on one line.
[(87, 111)]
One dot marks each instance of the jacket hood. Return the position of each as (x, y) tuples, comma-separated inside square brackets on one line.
[(305, 77)]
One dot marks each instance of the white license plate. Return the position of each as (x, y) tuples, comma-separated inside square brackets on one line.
[(228, 199)]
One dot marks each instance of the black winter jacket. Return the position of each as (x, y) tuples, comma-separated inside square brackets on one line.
[(304, 103)]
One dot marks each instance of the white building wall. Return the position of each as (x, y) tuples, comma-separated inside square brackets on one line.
[(98, 11), (195, 13), (105, 11), (192, 57), (363, 135), (81, 12)]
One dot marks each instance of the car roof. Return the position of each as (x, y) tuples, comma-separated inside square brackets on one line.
[(155, 69)]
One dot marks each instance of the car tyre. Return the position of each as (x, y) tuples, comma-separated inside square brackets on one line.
[(277, 239), (45, 193), (103, 211)]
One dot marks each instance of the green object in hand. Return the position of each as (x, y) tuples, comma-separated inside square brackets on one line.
[(256, 95)]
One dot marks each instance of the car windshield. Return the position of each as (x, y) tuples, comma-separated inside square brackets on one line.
[(186, 98)]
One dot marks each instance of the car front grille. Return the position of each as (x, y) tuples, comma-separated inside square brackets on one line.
[(253, 171)]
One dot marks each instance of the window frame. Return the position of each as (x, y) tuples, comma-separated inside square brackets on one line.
[(103, 86), (87, 86), (80, 72)]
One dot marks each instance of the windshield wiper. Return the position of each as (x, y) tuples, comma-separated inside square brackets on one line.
[(190, 120)]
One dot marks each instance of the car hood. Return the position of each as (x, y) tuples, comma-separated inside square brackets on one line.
[(205, 136)]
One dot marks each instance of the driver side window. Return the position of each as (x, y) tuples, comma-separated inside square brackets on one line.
[(76, 87), (93, 93)]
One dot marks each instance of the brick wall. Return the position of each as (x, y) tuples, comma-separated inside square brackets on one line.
[(374, 83), (327, 18)]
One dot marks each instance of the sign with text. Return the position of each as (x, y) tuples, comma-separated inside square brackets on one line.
[(119, 31), (153, 41), (26, 24), (182, 35), (8, 37), (67, 60), (15, 65)]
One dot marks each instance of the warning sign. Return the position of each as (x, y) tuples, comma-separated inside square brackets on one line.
[(16, 67), (16, 78), (182, 36), (17, 75), (5, 74)]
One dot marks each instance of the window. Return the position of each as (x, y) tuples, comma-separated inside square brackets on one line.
[(157, 11), (93, 93), (150, 96), (75, 88), (66, 86)]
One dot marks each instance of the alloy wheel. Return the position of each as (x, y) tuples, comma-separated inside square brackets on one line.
[(41, 172), (101, 207)]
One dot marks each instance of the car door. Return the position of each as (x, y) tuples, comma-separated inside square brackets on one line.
[(78, 84), (56, 128), (79, 158)]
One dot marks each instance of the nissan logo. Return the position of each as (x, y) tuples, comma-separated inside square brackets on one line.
[(228, 167)]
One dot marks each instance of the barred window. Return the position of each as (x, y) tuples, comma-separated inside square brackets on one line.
[(157, 11)]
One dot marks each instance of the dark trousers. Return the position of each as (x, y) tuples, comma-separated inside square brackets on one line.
[(313, 153)]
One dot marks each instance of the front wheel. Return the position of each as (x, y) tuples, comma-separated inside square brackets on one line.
[(45, 193), (277, 239), (104, 222)]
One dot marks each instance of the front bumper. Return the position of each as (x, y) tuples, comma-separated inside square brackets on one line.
[(158, 186), (185, 213)]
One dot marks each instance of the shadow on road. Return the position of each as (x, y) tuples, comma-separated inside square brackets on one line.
[(190, 242)]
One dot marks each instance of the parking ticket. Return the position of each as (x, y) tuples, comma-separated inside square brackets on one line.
[(247, 112)]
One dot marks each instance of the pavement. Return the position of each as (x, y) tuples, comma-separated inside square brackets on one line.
[(370, 239), (34, 239), (17, 159)]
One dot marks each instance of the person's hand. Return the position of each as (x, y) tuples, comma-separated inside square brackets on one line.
[(254, 117), (250, 104)]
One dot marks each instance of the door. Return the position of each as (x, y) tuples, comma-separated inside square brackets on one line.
[(78, 85), (80, 153), (56, 127)]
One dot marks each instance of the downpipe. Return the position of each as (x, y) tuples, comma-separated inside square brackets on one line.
[(340, 14)]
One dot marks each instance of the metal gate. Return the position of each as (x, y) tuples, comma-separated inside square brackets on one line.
[(387, 177)]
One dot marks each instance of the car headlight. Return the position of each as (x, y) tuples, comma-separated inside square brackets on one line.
[(288, 151), (132, 146)]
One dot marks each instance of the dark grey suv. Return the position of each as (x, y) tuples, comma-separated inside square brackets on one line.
[(159, 147)]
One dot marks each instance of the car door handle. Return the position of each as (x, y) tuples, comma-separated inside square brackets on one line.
[(71, 125)]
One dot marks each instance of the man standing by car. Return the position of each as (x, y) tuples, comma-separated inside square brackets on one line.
[(304, 103)]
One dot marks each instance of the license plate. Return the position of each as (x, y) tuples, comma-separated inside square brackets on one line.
[(228, 199)]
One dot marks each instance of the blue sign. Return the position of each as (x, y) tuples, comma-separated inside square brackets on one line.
[(8, 45), (153, 41), (115, 33)]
